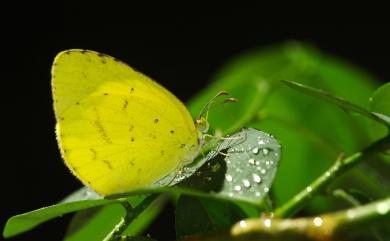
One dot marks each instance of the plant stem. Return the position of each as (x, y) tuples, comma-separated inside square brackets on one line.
[(341, 225), (340, 166), (117, 231), (131, 213)]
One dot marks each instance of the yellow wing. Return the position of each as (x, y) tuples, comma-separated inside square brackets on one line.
[(117, 129)]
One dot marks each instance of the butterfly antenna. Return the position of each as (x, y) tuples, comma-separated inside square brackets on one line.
[(206, 108), (201, 121)]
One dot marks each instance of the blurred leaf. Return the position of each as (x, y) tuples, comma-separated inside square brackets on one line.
[(191, 217), (312, 132), (199, 215), (380, 103), (222, 214), (345, 105), (356, 198), (137, 238)]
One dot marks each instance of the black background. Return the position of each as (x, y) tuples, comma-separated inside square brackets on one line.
[(179, 53)]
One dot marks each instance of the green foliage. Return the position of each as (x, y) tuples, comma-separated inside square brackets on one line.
[(232, 181)]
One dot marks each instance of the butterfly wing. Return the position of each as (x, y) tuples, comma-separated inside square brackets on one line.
[(117, 129)]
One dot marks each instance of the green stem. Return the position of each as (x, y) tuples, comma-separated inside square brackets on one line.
[(117, 231), (339, 167), (341, 225), (131, 213)]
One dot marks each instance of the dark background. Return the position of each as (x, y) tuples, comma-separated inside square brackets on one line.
[(180, 54)]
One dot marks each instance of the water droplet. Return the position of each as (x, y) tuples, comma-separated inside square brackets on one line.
[(327, 174), (267, 223), (317, 221), (266, 189), (382, 208), (237, 188), (267, 163), (261, 142), (215, 167), (256, 178), (230, 194), (228, 177), (251, 161), (263, 171), (257, 194), (309, 189), (257, 163), (246, 183), (255, 150), (243, 224), (265, 151)]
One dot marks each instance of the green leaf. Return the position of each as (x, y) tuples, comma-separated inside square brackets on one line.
[(357, 198), (242, 168), (300, 123), (380, 104), (340, 102), (222, 214), (200, 215), (96, 223), (26, 221), (145, 218), (191, 217)]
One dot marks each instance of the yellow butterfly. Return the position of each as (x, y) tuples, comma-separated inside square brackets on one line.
[(117, 129)]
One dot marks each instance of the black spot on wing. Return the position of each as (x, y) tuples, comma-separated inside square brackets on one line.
[(93, 153), (101, 130), (108, 164), (156, 121), (125, 104), (131, 162)]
